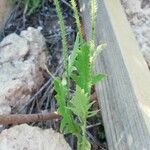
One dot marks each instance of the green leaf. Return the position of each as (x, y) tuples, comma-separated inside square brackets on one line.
[(83, 67), (84, 144), (61, 95), (80, 104), (98, 50), (33, 5), (93, 113), (74, 55), (97, 78), (67, 124)]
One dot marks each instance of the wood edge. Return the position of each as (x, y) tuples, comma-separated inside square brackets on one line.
[(134, 61), (5, 8)]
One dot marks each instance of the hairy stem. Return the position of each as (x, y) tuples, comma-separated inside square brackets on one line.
[(93, 18), (76, 15), (64, 40)]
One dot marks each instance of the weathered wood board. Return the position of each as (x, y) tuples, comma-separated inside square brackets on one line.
[(4, 12), (125, 95)]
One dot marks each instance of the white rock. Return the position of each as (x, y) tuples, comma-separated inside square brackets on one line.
[(24, 137), (147, 57), (13, 48), (4, 109), (21, 67), (36, 40)]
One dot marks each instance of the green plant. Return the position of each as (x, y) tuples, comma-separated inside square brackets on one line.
[(74, 7), (75, 109), (93, 18), (30, 6)]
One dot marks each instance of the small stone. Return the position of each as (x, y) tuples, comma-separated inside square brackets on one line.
[(25, 137), (13, 48), (22, 61)]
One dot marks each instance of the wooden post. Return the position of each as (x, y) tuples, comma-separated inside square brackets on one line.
[(125, 95)]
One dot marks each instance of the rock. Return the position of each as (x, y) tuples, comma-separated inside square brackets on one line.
[(24, 137), (138, 14), (13, 48), (147, 57), (145, 3), (22, 60)]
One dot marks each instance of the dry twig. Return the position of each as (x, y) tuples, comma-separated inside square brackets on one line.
[(27, 118)]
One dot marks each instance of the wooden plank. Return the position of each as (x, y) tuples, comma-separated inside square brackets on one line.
[(125, 95), (4, 12)]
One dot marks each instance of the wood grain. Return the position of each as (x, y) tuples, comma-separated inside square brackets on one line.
[(125, 95), (4, 12)]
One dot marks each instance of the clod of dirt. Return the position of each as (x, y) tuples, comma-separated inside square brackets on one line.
[(138, 14), (22, 61), (24, 137)]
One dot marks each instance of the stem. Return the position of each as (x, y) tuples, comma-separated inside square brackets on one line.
[(63, 32), (64, 41), (76, 15), (93, 17), (84, 129), (79, 141)]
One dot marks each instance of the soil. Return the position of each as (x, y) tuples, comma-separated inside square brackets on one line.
[(45, 19)]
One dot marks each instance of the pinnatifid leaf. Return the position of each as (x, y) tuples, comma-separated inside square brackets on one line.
[(76, 109), (83, 67), (60, 96), (85, 144), (97, 78), (73, 55), (67, 124), (98, 50), (80, 104)]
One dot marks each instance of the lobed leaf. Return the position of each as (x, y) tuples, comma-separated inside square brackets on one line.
[(80, 104), (97, 51), (85, 144), (67, 124), (97, 78), (74, 55), (83, 67)]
